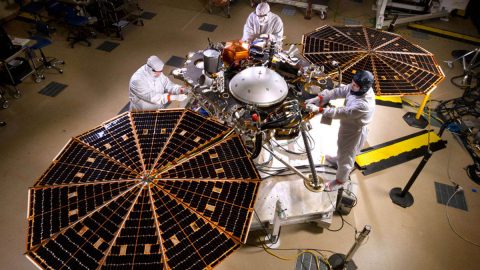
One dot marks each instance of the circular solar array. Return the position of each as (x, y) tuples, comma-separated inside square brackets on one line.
[(168, 189), (399, 67)]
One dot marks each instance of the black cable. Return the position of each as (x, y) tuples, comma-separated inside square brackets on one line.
[(450, 223), (290, 249), (311, 143), (288, 151), (341, 216), (283, 172), (261, 224), (452, 80), (341, 226), (354, 196)]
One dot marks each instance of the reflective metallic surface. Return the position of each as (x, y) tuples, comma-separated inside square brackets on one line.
[(259, 86)]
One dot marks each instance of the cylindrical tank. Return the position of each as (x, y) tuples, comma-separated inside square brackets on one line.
[(211, 61)]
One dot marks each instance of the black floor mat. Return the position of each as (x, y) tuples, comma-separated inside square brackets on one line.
[(350, 21), (444, 192), (289, 11), (108, 46), (52, 89), (125, 108), (207, 27), (175, 61), (147, 15)]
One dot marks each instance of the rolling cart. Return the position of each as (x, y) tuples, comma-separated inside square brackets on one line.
[(223, 4), (309, 5), (15, 69)]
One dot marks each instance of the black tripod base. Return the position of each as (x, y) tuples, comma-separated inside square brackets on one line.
[(337, 261), (405, 201), (473, 173), (414, 122)]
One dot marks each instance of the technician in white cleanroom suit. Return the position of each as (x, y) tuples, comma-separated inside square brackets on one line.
[(150, 89), (354, 117), (262, 22)]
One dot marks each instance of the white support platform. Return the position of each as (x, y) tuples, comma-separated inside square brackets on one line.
[(301, 204)]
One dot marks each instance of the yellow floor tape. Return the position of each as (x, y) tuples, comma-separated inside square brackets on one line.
[(446, 33), (396, 149)]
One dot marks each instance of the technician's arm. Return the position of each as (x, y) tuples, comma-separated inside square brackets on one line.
[(173, 88), (248, 31), (277, 32), (339, 92), (143, 92), (352, 112)]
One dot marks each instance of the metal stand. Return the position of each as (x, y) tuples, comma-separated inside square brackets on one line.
[(273, 239), (312, 182), (295, 170), (340, 261), (468, 67), (403, 197)]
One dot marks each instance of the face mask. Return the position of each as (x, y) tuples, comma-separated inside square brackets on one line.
[(262, 20), (355, 90)]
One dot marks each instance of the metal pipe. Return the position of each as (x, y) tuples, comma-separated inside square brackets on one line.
[(277, 221), (358, 241), (315, 181), (295, 170)]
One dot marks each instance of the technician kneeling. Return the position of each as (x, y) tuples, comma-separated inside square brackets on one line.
[(150, 89), (354, 118)]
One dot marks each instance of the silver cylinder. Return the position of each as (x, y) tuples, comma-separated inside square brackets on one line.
[(205, 80), (211, 61)]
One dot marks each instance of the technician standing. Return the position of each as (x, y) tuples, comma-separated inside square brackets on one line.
[(354, 118), (262, 22), (150, 89)]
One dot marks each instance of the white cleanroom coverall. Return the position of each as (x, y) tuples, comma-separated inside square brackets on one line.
[(354, 118), (270, 25), (151, 93)]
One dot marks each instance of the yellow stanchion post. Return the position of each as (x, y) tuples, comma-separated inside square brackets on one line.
[(422, 106), (416, 119)]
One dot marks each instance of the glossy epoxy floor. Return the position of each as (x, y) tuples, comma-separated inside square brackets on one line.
[(38, 127)]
